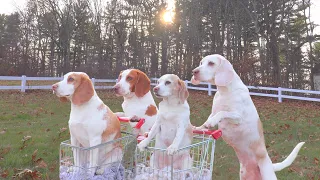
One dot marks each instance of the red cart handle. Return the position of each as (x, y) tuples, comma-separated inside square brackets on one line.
[(126, 119), (216, 134)]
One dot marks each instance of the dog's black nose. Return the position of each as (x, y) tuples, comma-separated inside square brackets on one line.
[(156, 89), (116, 88), (54, 87)]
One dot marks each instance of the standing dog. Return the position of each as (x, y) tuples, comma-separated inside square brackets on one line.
[(91, 121), (134, 86), (172, 128), (237, 117)]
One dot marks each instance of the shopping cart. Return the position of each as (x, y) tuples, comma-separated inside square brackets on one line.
[(113, 169), (197, 166)]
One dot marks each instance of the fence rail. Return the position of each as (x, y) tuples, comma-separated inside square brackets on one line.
[(279, 92)]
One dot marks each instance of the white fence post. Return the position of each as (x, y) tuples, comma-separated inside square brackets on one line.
[(186, 83), (23, 83), (93, 81), (209, 89), (279, 94)]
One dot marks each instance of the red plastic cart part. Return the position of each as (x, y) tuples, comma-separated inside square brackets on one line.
[(216, 134), (126, 119)]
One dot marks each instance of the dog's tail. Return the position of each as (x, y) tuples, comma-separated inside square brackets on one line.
[(289, 160)]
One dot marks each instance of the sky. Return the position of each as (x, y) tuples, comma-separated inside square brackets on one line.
[(9, 6)]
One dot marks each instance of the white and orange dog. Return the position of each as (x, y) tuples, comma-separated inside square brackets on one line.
[(91, 121), (134, 86), (235, 114), (172, 128)]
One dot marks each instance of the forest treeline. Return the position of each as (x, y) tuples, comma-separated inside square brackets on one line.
[(269, 42)]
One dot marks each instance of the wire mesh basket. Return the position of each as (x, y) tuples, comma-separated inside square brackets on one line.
[(116, 157), (193, 162)]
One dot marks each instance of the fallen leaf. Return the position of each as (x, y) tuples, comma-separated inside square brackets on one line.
[(4, 173), (27, 174), (62, 129), (34, 155), (41, 164), (5, 150), (26, 138), (295, 169), (316, 161)]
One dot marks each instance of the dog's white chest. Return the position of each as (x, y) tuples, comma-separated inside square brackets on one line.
[(79, 131), (84, 125), (168, 128), (134, 108)]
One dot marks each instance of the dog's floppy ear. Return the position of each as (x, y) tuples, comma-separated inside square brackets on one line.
[(225, 74), (142, 85), (84, 91), (183, 91), (63, 99)]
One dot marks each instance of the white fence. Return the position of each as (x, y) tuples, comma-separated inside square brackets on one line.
[(279, 93)]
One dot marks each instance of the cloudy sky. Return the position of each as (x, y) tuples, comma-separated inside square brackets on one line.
[(8, 6)]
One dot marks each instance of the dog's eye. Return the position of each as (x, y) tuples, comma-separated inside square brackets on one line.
[(167, 83), (119, 78), (70, 79), (129, 78), (211, 63)]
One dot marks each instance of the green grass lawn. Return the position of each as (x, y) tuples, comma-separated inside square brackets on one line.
[(41, 116)]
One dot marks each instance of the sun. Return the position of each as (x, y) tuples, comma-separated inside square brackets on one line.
[(168, 17)]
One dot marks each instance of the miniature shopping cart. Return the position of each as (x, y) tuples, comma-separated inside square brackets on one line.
[(115, 168), (191, 162), (198, 167)]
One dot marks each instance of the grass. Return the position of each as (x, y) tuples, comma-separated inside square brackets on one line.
[(40, 115)]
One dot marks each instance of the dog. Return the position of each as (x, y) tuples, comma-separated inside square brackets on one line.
[(91, 121), (235, 114), (172, 128), (134, 86)]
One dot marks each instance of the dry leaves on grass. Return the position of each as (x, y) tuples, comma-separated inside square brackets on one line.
[(26, 174), (5, 150), (316, 161), (38, 161), (3, 131), (62, 130), (26, 138), (4, 173), (296, 169)]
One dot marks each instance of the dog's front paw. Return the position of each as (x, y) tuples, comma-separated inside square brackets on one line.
[(172, 149), (120, 114), (143, 144), (134, 119), (205, 126), (198, 128)]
